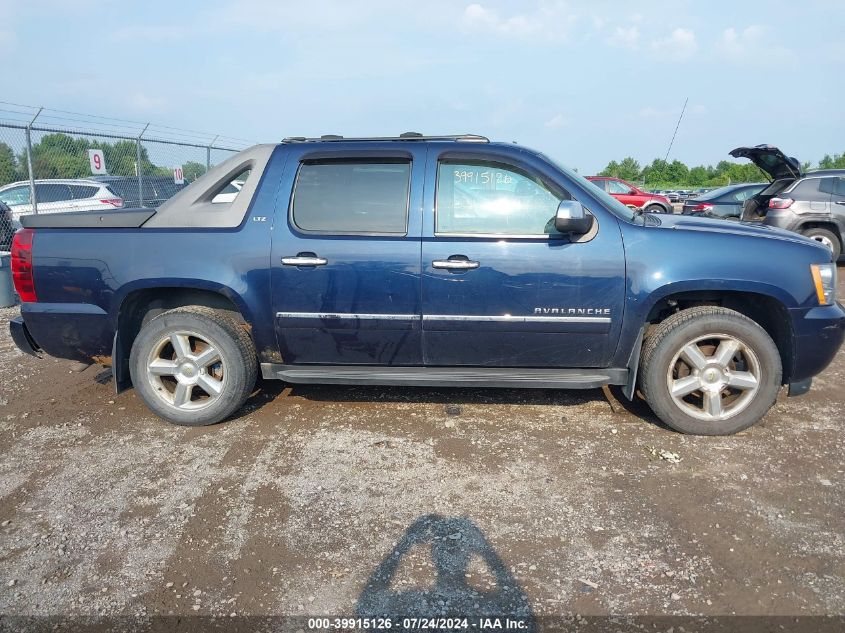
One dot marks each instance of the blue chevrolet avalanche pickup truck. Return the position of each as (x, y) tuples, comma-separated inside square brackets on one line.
[(431, 261)]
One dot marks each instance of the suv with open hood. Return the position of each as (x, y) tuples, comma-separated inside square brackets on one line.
[(812, 203)]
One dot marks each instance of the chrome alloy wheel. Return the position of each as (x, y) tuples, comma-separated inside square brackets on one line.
[(186, 371), (714, 377), (823, 240)]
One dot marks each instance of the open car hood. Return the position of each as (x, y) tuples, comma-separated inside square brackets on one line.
[(771, 160)]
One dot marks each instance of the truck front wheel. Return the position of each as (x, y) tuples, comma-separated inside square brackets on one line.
[(193, 365), (710, 371)]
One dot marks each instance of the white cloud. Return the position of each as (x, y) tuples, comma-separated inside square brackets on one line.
[(557, 121), (736, 44), (753, 46), (551, 20), (681, 44), (625, 37)]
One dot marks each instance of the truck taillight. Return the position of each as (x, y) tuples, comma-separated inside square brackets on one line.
[(115, 202), (22, 265), (780, 203), (704, 206)]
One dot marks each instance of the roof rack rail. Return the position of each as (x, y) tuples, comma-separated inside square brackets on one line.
[(405, 136)]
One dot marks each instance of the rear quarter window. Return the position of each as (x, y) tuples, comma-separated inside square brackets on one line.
[(79, 191), (352, 196)]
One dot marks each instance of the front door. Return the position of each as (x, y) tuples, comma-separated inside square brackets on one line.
[(500, 287), (346, 256)]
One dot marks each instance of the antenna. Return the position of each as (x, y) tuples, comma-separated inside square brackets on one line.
[(668, 149), (671, 142)]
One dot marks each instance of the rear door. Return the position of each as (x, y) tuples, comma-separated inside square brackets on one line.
[(346, 254), (53, 197), (500, 287), (624, 193)]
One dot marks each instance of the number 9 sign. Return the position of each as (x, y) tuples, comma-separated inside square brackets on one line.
[(97, 161)]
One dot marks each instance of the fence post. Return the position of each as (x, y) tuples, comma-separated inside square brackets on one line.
[(138, 170), (32, 198), (208, 153)]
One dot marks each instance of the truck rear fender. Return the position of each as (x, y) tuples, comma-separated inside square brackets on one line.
[(138, 306)]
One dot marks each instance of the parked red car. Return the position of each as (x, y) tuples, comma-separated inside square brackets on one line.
[(632, 196)]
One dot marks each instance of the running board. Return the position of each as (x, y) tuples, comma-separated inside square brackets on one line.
[(445, 376)]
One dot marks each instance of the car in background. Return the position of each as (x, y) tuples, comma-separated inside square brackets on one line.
[(696, 193), (7, 228), (57, 196), (812, 203), (632, 196), (229, 192), (672, 196), (156, 189), (724, 202)]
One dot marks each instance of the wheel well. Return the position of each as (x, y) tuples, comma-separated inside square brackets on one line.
[(140, 306), (828, 226), (766, 311)]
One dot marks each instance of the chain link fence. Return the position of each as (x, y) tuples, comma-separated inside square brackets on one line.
[(52, 161)]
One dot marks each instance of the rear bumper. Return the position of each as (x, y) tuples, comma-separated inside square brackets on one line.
[(22, 338), (819, 333)]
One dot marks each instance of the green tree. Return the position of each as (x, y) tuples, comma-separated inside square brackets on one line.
[(612, 169), (8, 165), (698, 175), (629, 169), (192, 170)]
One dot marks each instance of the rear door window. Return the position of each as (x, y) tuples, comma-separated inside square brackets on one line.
[(617, 187), (52, 193), (352, 196)]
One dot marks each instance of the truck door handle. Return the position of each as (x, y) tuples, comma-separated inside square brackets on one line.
[(304, 259), (840, 202), (453, 263)]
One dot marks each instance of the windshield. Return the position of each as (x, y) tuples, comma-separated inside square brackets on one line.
[(610, 203)]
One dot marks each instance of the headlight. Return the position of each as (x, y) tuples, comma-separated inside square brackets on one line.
[(824, 279)]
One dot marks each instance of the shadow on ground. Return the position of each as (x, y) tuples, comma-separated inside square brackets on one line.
[(452, 544)]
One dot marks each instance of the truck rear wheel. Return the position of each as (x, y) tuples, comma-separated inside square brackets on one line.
[(710, 371), (193, 365)]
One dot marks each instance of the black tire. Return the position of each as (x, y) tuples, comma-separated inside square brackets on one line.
[(237, 367), (656, 208), (824, 235), (704, 323)]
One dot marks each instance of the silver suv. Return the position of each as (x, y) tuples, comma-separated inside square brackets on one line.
[(812, 203)]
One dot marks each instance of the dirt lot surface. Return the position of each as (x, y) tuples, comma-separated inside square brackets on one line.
[(319, 500)]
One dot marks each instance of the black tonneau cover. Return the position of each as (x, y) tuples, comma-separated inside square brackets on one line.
[(122, 219)]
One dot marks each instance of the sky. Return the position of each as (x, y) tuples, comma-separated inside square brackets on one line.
[(584, 82)]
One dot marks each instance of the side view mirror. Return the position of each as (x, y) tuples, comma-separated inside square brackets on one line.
[(572, 217)]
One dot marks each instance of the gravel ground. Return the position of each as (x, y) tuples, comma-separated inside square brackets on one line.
[(342, 500)]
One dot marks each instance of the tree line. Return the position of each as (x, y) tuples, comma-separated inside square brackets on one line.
[(58, 155), (661, 174)]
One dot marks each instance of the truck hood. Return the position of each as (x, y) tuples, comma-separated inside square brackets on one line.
[(771, 160), (715, 225)]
